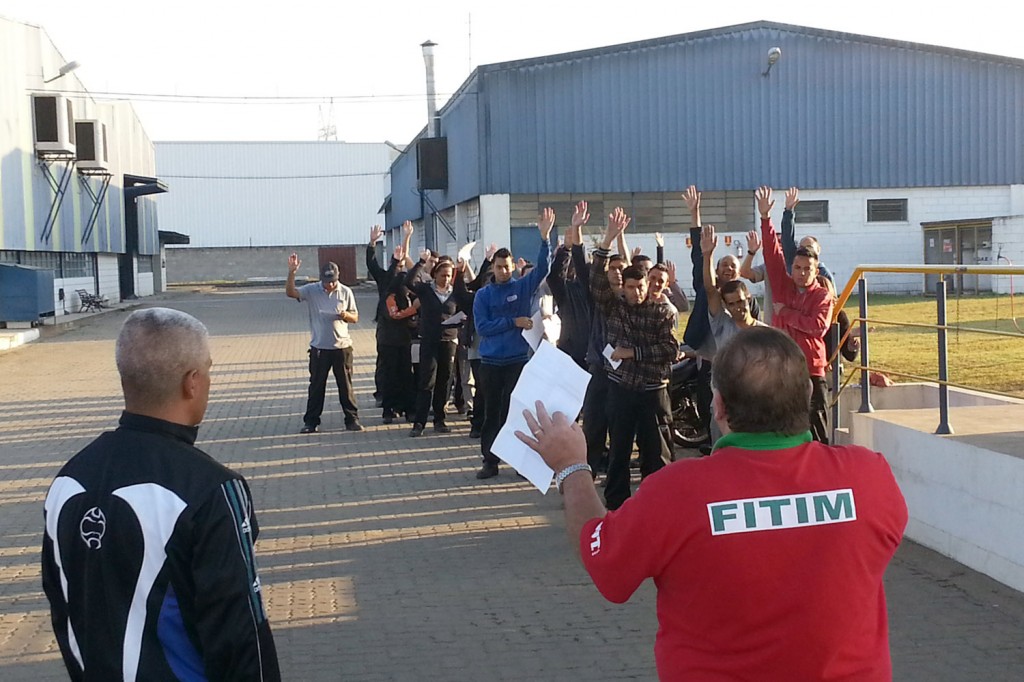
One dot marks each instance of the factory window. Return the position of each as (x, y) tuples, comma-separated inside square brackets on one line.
[(887, 210), (811, 212)]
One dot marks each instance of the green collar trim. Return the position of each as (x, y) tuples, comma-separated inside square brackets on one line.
[(762, 441)]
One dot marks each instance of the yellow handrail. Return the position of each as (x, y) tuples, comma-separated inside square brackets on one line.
[(921, 270)]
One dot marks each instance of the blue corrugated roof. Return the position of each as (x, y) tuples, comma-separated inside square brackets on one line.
[(838, 111)]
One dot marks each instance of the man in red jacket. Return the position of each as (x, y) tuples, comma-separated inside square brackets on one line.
[(801, 307), (768, 555)]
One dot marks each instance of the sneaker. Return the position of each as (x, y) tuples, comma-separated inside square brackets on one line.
[(474, 432), (417, 431), (487, 471), (442, 428), (309, 428), (354, 426)]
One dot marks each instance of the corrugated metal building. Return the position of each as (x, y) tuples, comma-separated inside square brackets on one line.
[(247, 205), (901, 150), (55, 213)]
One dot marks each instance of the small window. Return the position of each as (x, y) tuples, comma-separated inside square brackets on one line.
[(811, 212), (887, 210)]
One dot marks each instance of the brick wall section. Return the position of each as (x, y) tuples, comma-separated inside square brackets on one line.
[(241, 264)]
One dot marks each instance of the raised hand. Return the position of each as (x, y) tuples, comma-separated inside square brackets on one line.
[(546, 222), (637, 252), (580, 216), (765, 203), (708, 239), (792, 198), (692, 198), (520, 263), (753, 241), (425, 255), (659, 240), (618, 221), (376, 232), (671, 271), (294, 263), (491, 250), (407, 229), (399, 253)]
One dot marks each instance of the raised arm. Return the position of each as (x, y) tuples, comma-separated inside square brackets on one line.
[(675, 294), (708, 242), (289, 285), (660, 241), (407, 231), (540, 270), (485, 269), (788, 229), (774, 261), (692, 198), (600, 289), (378, 273), (747, 266)]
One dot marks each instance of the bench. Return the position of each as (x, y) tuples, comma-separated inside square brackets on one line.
[(90, 301)]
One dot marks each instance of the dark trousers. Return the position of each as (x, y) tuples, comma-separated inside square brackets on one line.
[(498, 382), (321, 363), (378, 375), (704, 396), (819, 410), (642, 415), (595, 416), (396, 386), (479, 397), (437, 359)]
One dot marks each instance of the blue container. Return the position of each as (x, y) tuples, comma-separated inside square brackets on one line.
[(25, 293)]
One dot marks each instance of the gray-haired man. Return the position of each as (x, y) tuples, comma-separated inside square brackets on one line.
[(148, 551)]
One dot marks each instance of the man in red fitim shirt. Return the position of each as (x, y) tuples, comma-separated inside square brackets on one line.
[(768, 555)]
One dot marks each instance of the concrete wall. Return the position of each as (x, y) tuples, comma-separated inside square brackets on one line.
[(964, 502), (106, 271), (72, 303), (243, 264)]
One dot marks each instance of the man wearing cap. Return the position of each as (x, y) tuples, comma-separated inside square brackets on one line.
[(332, 307)]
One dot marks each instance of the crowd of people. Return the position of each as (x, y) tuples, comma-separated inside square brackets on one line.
[(449, 337), (768, 555)]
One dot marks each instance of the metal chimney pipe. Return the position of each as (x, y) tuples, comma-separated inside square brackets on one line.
[(433, 122)]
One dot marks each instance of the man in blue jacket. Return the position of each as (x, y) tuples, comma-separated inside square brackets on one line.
[(501, 311)]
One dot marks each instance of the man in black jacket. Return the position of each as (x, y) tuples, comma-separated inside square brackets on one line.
[(148, 551), (571, 292), (383, 280)]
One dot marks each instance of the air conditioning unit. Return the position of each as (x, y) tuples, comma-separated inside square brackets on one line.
[(53, 122), (91, 143)]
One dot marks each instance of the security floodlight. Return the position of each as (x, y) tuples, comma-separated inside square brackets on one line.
[(774, 55), (63, 71)]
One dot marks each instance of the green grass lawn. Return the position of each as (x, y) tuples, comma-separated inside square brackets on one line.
[(980, 361)]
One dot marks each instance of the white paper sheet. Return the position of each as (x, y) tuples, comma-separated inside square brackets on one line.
[(466, 252), (608, 350), (455, 319), (552, 377), (535, 334)]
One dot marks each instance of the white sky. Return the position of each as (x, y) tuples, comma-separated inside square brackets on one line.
[(367, 54)]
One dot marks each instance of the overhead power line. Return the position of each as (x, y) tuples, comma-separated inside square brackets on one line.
[(271, 177), (252, 99)]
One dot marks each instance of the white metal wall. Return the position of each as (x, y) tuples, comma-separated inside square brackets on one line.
[(272, 193)]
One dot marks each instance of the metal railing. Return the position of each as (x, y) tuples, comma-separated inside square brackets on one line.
[(858, 281)]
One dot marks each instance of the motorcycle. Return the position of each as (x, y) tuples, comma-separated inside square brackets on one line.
[(687, 428)]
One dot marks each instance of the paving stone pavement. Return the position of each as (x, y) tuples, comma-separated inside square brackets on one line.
[(382, 557)]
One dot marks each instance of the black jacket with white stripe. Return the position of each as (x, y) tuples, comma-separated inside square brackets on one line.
[(148, 562)]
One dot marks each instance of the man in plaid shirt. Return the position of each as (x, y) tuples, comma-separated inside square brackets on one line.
[(640, 353)]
